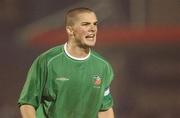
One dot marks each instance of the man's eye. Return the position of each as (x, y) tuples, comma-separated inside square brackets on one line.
[(85, 24), (96, 23)]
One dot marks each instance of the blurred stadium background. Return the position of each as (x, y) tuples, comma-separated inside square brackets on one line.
[(141, 39)]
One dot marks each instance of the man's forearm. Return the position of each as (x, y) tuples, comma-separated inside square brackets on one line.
[(27, 111), (106, 114)]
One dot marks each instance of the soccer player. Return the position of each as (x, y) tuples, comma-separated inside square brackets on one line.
[(70, 80)]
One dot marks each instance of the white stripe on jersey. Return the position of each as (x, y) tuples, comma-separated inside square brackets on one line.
[(107, 91)]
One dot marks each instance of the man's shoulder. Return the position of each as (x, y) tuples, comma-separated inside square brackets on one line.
[(99, 57), (50, 53)]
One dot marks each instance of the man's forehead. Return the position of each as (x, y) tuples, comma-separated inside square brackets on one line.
[(85, 13), (86, 16)]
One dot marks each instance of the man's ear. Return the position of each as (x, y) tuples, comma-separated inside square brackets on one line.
[(69, 30)]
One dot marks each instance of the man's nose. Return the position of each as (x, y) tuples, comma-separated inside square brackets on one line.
[(93, 28)]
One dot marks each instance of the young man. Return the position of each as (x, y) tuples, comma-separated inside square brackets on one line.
[(70, 80)]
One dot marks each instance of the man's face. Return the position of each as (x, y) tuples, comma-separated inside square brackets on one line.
[(85, 29)]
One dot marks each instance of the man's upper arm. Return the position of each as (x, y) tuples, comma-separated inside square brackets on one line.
[(107, 101), (33, 87)]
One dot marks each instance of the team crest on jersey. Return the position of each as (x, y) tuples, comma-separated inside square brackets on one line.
[(97, 81)]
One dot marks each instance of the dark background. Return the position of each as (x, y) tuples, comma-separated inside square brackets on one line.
[(140, 38)]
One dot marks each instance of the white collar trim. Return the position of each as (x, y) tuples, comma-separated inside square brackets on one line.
[(75, 58)]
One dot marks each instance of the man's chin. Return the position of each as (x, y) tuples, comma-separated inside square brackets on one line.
[(90, 44)]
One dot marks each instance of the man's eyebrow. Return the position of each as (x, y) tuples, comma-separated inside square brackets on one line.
[(85, 22), (89, 22)]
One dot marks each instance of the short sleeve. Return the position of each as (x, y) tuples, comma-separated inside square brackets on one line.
[(33, 87), (107, 101)]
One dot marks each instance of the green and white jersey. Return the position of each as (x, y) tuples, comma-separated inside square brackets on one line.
[(59, 85)]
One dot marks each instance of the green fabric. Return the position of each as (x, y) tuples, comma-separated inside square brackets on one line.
[(61, 87)]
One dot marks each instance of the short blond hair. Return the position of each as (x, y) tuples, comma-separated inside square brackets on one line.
[(72, 14)]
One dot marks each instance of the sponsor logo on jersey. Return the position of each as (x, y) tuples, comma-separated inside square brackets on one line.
[(97, 81), (62, 79)]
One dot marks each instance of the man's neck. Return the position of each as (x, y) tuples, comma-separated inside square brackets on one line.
[(77, 51)]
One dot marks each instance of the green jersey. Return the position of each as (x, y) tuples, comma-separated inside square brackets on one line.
[(59, 85)]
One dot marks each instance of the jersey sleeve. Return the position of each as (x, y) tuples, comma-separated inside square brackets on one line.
[(33, 87), (107, 101)]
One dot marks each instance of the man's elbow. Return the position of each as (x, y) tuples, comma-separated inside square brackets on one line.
[(106, 114), (27, 111)]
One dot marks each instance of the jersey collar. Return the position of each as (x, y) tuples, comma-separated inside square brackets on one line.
[(75, 58)]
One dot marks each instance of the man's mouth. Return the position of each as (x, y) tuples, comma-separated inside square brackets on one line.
[(90, 36)]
